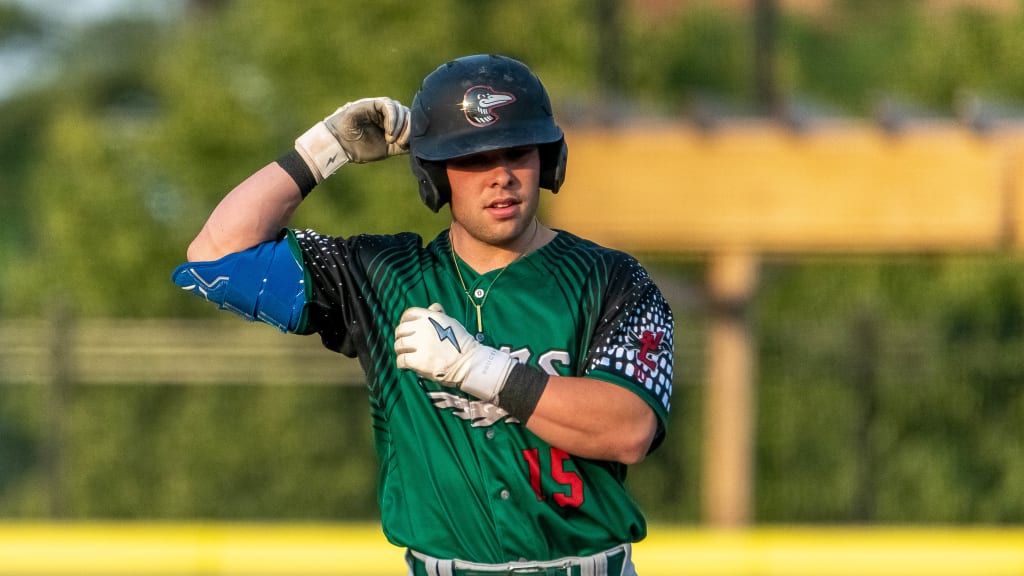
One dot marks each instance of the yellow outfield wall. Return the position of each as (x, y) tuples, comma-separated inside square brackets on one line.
[(115, 549)]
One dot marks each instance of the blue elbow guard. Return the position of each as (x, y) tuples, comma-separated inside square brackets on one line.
[(266, 282)]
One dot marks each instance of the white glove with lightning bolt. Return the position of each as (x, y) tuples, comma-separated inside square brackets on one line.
[(363, 131), (437, 347)]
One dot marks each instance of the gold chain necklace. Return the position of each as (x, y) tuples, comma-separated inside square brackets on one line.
[(465, 290)]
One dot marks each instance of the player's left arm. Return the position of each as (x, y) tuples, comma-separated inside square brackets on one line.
[(591, 418), (584, 416), (616, 412)]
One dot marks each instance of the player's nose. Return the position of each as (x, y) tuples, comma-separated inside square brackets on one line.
[(502, 175)]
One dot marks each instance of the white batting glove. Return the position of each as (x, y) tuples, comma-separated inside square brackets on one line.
[(362, 131), (438, 348)]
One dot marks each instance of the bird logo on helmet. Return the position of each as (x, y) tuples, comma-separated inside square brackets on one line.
[(476, 104), (480, 100)]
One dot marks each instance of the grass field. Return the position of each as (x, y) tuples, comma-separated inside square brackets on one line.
[(115, 549)]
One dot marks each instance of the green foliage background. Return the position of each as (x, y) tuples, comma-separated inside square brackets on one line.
[(889, 389)]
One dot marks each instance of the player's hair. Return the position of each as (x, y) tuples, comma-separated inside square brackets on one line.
[(476, 104)]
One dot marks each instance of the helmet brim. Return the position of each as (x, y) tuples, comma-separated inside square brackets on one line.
[(441, 147)]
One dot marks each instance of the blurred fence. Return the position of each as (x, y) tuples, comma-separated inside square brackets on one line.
[(164, 351), (360, 549)]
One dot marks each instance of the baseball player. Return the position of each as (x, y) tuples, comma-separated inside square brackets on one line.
[(514, 370)]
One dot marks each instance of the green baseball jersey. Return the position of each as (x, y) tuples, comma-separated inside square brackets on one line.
[(459, 477)]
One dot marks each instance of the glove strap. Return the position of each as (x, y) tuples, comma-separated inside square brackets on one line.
[(321, 151), (488, 371)]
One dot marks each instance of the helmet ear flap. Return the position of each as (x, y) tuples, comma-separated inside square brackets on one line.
[(553, 158), (433, 180)]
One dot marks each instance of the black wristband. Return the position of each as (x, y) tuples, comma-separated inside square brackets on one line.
[(522, 391), (296, 167)]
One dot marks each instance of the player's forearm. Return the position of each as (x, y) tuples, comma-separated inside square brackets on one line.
[(594, 419), (253, 212), (257, 209)]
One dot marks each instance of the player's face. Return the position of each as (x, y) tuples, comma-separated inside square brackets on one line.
[(495, 194)]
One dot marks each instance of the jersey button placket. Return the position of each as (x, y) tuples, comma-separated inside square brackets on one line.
[(508, 517)]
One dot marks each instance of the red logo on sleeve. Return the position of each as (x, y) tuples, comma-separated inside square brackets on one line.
[(650, 350)]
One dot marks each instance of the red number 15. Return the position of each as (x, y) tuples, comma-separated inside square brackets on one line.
[(570, 480)]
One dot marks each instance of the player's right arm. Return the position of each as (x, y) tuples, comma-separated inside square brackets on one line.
[(256, 210), (241, 260)]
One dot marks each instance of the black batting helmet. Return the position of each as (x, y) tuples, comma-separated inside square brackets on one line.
[(475, 104)]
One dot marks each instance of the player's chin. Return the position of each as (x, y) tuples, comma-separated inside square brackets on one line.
[(505, 232)]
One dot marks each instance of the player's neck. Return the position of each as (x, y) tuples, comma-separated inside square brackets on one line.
[(483, 257)]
